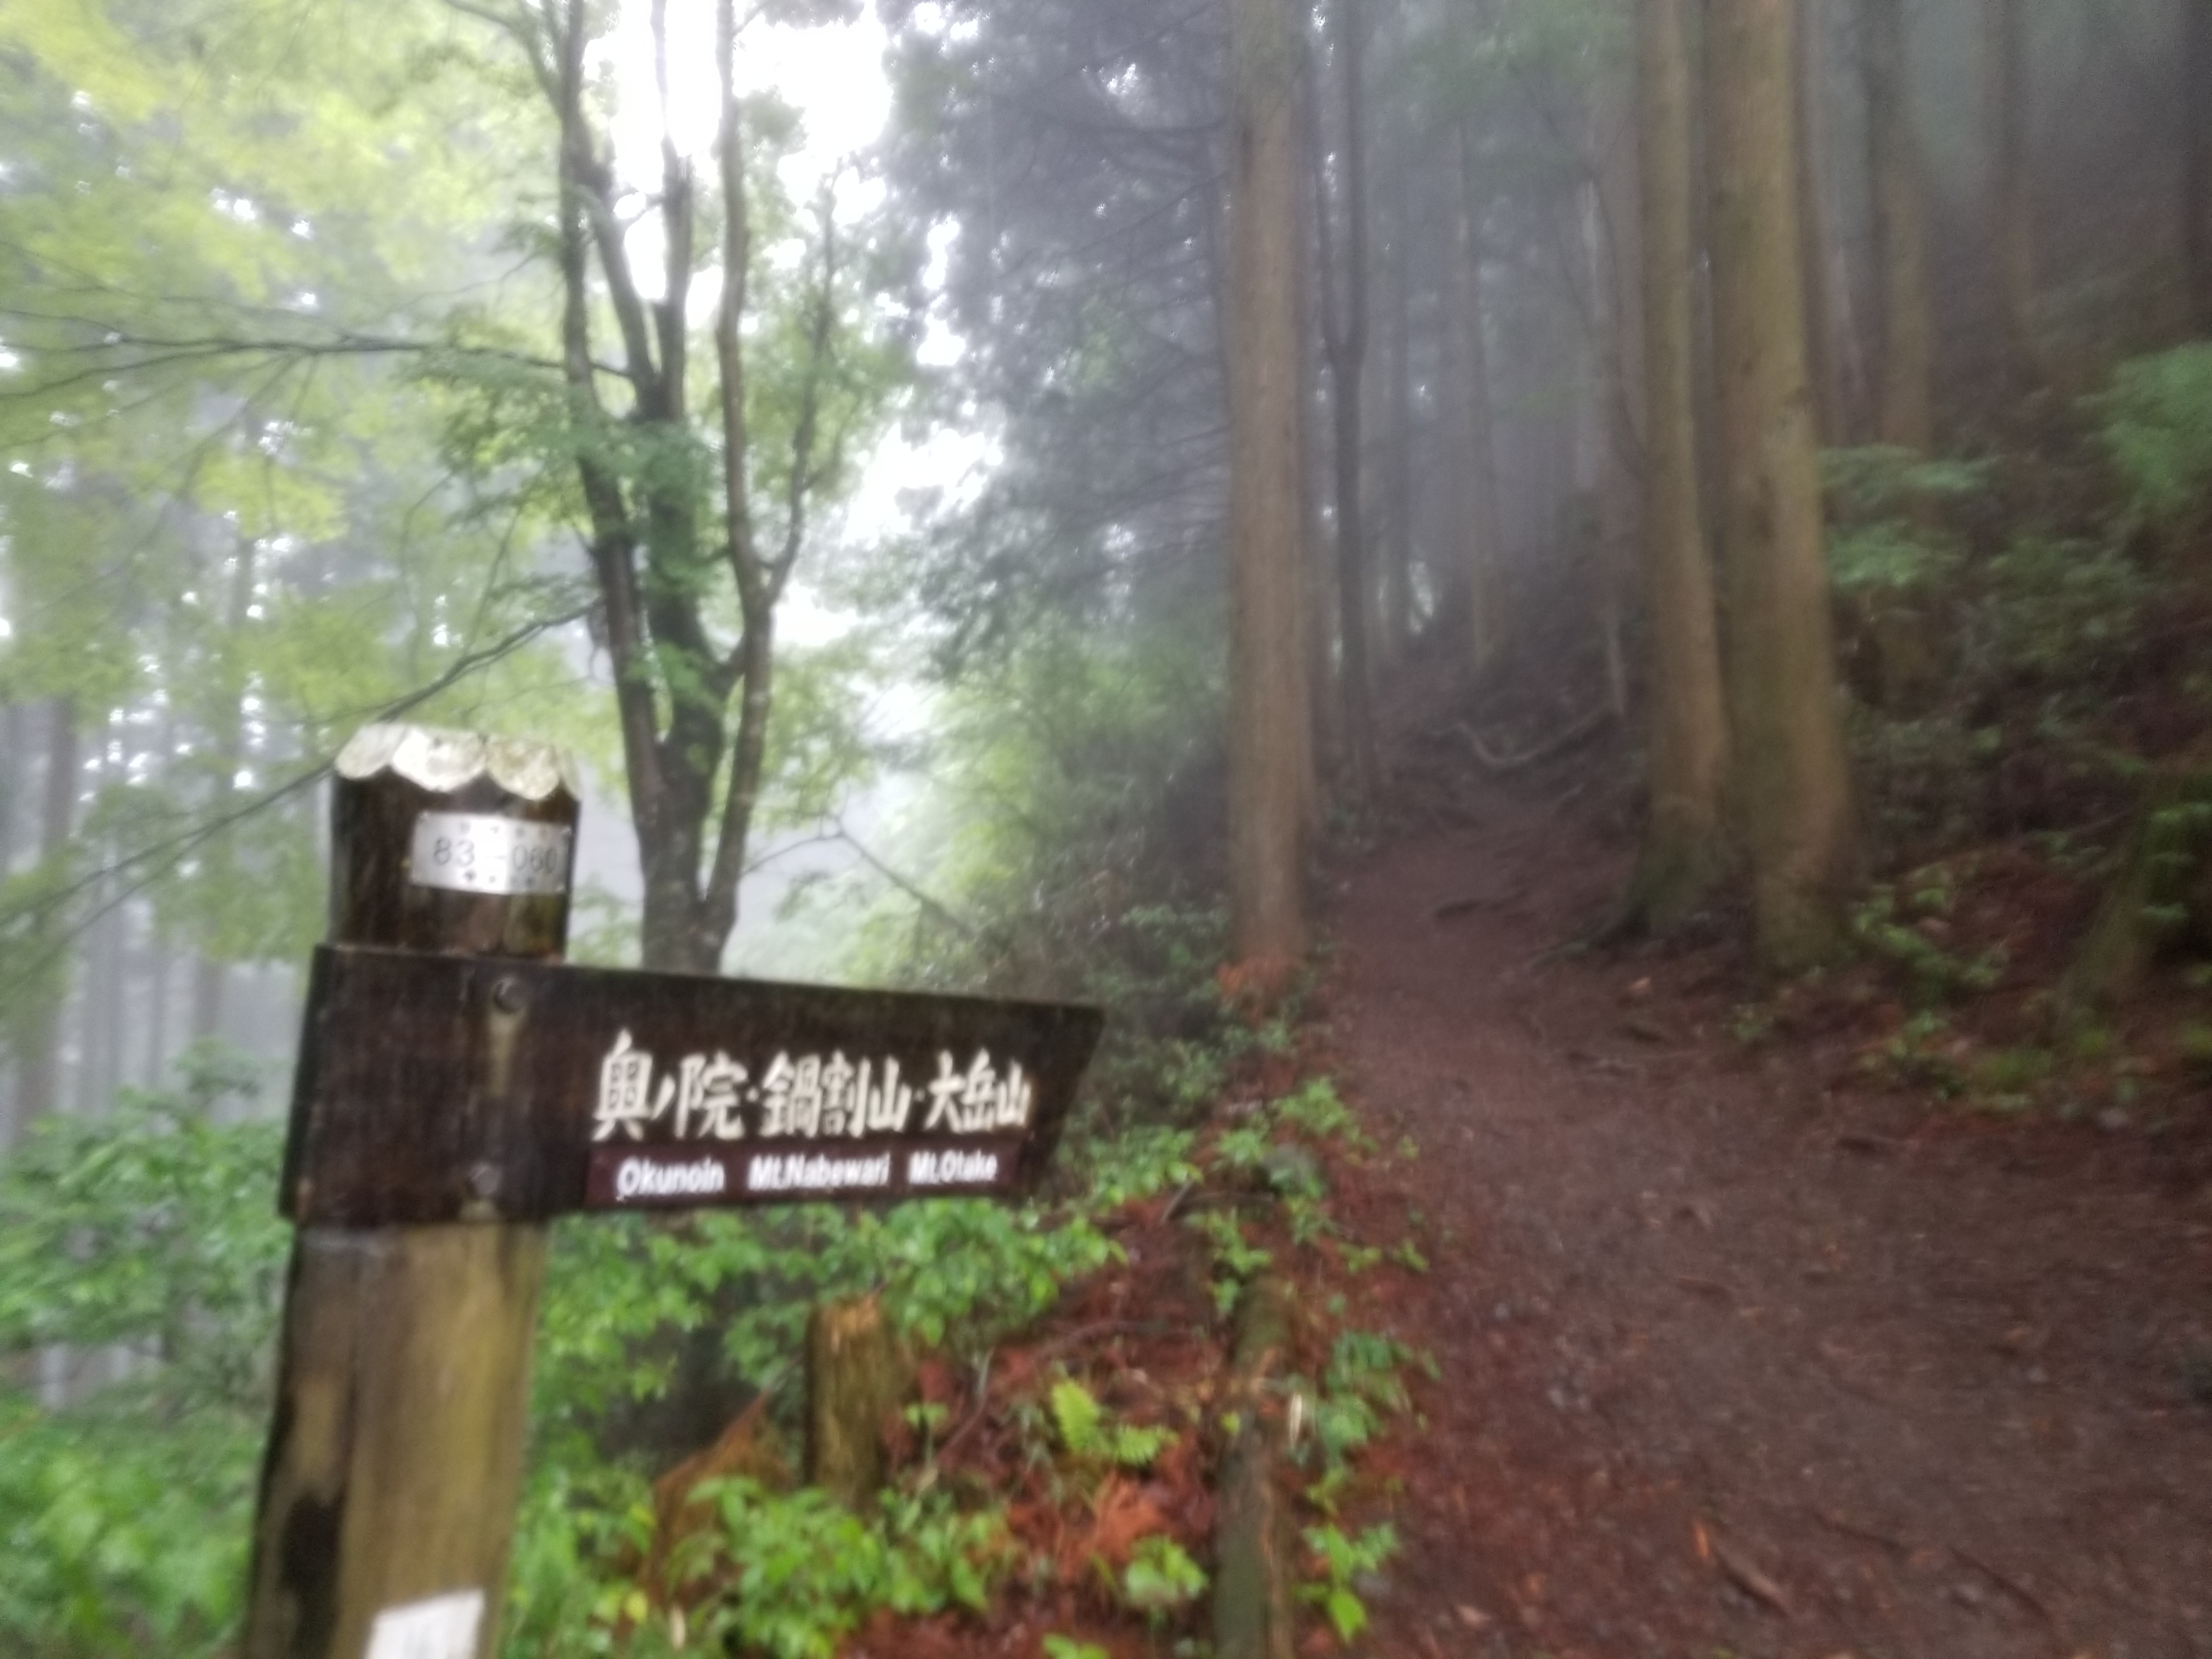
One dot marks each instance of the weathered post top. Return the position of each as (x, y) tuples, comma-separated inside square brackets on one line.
[(452, 842), (388, 1491)]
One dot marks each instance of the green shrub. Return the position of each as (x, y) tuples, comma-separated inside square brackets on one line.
[(2155, 421), (145, 1246)]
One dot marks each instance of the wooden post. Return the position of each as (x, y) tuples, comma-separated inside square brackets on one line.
[(395, 1455)]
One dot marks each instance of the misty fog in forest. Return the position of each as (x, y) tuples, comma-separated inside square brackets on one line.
[(1017, 497)]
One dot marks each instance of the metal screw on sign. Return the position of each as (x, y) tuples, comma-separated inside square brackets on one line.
[(459, 1087)]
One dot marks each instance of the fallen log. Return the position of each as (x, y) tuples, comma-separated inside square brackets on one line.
[(1252, 1562)]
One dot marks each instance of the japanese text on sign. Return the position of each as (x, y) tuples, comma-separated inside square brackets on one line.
[(710, 1096)]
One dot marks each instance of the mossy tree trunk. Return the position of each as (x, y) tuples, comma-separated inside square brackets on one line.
[(1270, 736), (2011, 205), (1475, 465), (1790, 780), (2196, 160), (1688, 768), (858, 1374), (1904, 326)]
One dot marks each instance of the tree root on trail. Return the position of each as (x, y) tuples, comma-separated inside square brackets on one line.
[(1588, 726)]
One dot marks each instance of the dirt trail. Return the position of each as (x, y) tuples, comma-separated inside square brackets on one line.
[(1733, 1366)]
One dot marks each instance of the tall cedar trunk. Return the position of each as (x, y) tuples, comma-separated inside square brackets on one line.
[(1344, 314), (1615, 245), (1270, 741), (38, 1076), (2197, 158), (2011, 206), (1790, 780), (1902, 324), (1475, 521), (1682, 836), (1398, 443), (1325, 748), (1822, 369)]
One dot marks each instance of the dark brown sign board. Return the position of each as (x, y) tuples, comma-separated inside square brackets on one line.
[(441, 1087)]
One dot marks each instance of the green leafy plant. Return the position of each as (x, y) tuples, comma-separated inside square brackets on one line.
[(149, 1235), (1088, 1432), (1342, 1560), (1317, 1108), (1161, 1578), (2155, 420), (1235, 1258), (790, 1574)]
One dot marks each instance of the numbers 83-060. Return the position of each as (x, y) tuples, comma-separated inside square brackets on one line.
[(473, 853)]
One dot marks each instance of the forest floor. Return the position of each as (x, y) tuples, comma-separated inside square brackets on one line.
[(1738, 1356)]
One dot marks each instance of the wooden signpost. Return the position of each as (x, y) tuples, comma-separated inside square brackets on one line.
[(459, 1087)]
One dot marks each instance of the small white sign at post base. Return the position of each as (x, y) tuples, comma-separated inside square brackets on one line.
[(442, 1627)]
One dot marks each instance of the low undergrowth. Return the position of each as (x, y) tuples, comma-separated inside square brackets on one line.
[(1050, 1472)]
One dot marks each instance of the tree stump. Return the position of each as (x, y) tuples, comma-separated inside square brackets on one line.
[(858, 1373), (2162, 897)]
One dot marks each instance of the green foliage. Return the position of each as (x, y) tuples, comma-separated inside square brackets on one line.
[(1890, 557), (1161, 1578), (2155, 421), (144, 1245), (1922, 1052), (1902, 922), (1316, 1108), (790, 1574), (1877, 482), (1342, 1560), (1066, 1647), (1235, 1258), (1089, 1434), (1889, 534), (1137, 1163), (2061, 610)]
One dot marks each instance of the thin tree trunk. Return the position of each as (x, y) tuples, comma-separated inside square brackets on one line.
[(2011, 205), (2197, 158), (94, 1003), (1398, 443), (1904, 326), (1682, 845), (1475, 469), (99, 1063), (1317, 612), (208, 976), (1813, 233), (159, 967), (1790, 777), (12, 768), (1343, 313), (39, 1075), (1270, 741)]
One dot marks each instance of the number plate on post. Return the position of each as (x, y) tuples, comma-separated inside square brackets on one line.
[(475, 852)]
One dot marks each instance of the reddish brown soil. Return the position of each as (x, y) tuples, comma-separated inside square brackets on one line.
[(1735, 1359)]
